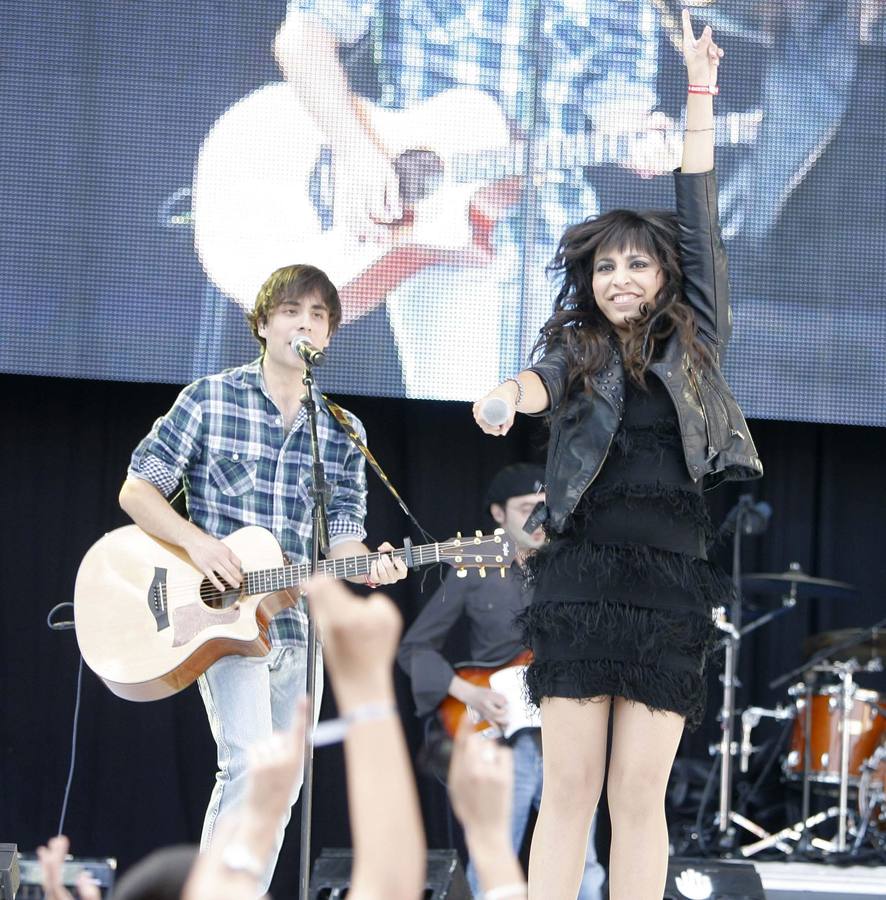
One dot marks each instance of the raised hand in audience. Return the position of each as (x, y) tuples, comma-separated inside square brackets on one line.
[(481, 777), (359, 642), (52, 859)]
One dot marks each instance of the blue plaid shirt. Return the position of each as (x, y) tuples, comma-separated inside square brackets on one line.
[(224, 440), (596, 61)]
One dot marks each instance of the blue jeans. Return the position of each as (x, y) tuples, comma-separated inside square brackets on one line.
[(527, 795), (247, 699)]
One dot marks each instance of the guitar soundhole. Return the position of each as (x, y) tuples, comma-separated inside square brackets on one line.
[(211, 597), (420, 173)]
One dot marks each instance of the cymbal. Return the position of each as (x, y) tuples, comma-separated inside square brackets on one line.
[(867, 643), (797, 583)]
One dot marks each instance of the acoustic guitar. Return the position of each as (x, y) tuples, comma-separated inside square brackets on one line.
[(149, 623)]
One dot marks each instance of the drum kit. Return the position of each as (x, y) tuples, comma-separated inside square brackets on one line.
[(837, 748)]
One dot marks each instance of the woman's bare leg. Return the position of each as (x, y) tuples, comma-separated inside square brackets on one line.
[(573, 739), (644, 745)]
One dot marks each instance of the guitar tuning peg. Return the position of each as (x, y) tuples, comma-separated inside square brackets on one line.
[(502, 571), (478, 533), (482, 571), (458, 535), (461, 573), (498, 532)]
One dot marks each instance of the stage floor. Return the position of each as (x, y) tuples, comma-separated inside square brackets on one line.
[(789, 880)]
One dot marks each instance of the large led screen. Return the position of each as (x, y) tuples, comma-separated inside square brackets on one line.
[(159, 159)]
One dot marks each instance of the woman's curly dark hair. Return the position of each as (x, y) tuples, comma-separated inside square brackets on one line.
[(579, 325)]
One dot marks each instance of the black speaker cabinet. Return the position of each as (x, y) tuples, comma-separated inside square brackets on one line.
[(102, 871), (712, 879), (9, 872), (331, 876)]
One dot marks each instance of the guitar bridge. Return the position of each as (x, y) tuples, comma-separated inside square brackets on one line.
[(157, 599)]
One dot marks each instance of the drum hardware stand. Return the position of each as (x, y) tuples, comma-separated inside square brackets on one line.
[(867, 801), (848, 687), (800, 831), (749, 519), (793, 832)]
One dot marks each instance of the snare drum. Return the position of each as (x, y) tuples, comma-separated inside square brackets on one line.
[(866, 721)]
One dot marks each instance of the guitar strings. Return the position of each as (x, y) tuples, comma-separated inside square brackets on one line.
[(208, 591)]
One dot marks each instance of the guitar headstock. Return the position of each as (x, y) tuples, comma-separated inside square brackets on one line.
[(482, 551)]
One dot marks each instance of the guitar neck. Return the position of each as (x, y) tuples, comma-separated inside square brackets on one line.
[(583, 149), (265, 581)]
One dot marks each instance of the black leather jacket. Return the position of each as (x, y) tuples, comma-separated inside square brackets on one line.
[(716, 440)]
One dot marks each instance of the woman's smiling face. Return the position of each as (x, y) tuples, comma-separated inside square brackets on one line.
[(625, 280)]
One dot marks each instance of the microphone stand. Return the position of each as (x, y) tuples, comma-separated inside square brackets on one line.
[(319, 544)]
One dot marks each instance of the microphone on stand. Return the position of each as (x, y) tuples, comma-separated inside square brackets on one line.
[(746, 749), (494, 411), (307, 352), (754, 517)]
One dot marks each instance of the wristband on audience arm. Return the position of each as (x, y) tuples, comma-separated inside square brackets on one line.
[(239, 858), (506, 892), (332, 731)]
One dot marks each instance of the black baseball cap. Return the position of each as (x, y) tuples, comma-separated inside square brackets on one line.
[(515, 480)]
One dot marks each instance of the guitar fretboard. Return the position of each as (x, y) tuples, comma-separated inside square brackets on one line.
[(265, 581), (585, 149)]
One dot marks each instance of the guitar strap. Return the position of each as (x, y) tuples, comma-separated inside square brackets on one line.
[(340, 416)]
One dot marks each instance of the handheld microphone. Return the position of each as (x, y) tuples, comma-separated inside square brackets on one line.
[(494, 411), (307, 352)]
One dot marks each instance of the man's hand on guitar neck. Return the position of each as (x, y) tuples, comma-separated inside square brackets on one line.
[(491, 705)]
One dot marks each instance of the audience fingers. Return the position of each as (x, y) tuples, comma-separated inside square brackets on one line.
[(87, 887)]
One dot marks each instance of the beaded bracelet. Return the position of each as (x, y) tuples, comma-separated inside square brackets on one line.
[(520, 389), (704, 89)]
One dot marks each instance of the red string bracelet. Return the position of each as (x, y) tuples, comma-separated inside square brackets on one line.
[(713, 89)]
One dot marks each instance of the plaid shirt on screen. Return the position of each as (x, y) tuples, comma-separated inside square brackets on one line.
[(224, 440), (594, 60)]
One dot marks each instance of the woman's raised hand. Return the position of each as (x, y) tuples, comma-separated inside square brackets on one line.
[(701, 55)]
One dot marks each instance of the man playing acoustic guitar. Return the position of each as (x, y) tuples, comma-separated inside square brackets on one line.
[(489, 606), (239, 443)]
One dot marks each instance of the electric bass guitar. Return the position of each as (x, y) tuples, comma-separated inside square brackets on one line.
[(149, 623), (504, 678)]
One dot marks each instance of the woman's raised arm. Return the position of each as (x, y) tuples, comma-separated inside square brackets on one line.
[(702, 57)]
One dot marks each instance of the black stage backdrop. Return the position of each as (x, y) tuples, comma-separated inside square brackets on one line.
[(144, 771)]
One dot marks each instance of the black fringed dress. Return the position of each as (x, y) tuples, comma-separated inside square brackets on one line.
[(623, 596)]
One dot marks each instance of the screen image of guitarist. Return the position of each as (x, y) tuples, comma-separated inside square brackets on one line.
[(488, 607), (405, 178)]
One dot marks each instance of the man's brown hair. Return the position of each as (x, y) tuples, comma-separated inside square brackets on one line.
[(292, 283)]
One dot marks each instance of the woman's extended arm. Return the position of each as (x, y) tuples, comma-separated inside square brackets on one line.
[(525, 393)]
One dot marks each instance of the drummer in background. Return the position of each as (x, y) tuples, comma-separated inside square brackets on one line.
[(489, 607)]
